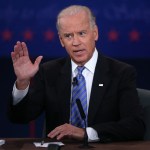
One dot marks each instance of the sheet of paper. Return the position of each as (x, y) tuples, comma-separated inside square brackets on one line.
[(38, 144), (2, 142)]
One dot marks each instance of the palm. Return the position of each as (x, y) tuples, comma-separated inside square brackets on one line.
[(24, 68)]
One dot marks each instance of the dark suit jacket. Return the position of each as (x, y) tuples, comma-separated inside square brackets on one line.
[(114, 109)]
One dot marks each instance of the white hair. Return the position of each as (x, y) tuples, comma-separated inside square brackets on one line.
[(74, 9)]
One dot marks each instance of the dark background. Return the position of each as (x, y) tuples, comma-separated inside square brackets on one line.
[(124, 34)]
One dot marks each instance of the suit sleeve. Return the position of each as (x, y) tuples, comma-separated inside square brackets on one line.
[(31, 106)]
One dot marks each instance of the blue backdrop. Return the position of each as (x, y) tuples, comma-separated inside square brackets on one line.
[(124, 26), (124, 33)]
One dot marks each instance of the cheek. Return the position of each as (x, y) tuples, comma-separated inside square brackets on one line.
[(90, 43), (65, 44), (68, 48)]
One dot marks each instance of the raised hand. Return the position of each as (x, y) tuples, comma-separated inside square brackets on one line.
[(23, 67)]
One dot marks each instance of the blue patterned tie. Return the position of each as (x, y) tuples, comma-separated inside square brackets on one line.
[(79, 92)]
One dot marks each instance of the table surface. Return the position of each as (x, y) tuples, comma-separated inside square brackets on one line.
[(27, 144)]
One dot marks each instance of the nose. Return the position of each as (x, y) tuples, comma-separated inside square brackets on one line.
[(76, 40)]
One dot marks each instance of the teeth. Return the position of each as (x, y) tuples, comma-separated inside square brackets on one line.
[(78, 50)]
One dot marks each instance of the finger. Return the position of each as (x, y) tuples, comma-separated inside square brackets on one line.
[(17, 56), (25, 49), (21, 53), (65, 133), (53, 134), (60, 136), (64, 130), (18, 47), (13, 57), (56, 131), (38, 60)]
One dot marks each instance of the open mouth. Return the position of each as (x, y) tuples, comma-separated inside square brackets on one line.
[(79, 52)]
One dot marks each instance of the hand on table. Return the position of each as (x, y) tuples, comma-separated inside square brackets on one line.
[(67, 131)]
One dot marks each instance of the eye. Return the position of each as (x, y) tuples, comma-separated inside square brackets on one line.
[(82, 33), (68, 35)]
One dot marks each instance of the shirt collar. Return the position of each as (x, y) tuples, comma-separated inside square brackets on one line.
[(90, 65)]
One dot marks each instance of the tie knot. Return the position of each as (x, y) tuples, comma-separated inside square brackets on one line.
[(80, 69)]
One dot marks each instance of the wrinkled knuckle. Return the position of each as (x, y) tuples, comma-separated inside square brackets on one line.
[(66, 124)]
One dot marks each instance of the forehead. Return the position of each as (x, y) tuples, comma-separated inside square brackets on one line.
[(74, 23)]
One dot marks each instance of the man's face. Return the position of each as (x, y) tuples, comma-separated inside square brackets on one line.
[(78, 37)]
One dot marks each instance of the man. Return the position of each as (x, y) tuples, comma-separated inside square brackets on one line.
[(112, 105)]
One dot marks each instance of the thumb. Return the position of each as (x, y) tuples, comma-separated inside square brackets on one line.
[(38, 60)]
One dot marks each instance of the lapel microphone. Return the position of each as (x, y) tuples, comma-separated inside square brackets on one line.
[(83, 116), (75, 81)]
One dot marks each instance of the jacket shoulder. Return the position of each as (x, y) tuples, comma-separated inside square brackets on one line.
[(54, 63), (117, 64)]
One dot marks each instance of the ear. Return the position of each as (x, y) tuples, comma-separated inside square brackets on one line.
[(61, 40), (95, 30)]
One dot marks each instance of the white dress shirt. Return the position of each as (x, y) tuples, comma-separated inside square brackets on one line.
[(88, 73)]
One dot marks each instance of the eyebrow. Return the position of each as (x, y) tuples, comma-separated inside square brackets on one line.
[(73, 32)]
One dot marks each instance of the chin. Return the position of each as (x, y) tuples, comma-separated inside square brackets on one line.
[(80, 60)]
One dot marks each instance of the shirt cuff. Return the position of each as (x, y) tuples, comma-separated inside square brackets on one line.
[(18, 95), (92, 135)]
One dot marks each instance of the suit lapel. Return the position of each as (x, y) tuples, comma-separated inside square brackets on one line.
[(100, 83), (64, 91)]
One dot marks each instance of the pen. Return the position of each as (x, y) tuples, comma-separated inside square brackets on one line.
[(42, 142)]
